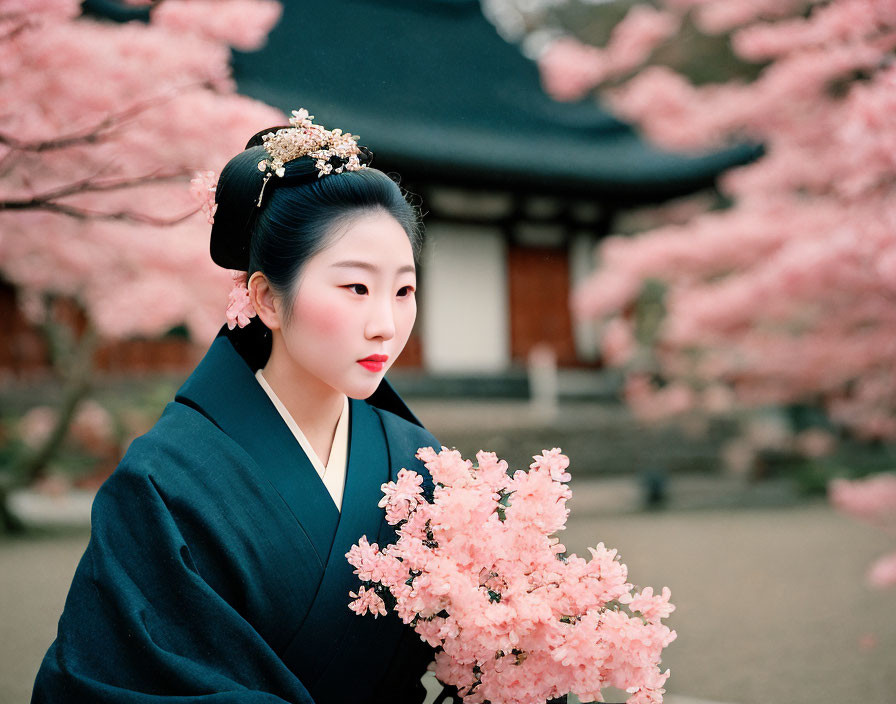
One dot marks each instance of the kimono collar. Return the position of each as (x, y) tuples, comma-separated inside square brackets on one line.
[(224, 389), (228, 371)]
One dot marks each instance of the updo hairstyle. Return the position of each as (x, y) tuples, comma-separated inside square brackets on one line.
[(300, 214)]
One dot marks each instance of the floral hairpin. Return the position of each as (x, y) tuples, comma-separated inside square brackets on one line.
[(334, 151), (240, 310)]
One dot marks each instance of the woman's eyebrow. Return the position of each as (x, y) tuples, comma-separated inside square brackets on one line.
[(350, 264)]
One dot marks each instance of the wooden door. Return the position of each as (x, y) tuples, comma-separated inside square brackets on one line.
[(539, 302)]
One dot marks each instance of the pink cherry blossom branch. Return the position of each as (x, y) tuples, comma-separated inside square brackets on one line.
[(484, 582), (93, 185), (22, 25), (100, 130), (49, 201), (121, 215)]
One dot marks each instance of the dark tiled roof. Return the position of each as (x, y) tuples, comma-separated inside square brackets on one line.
[(439, 97)]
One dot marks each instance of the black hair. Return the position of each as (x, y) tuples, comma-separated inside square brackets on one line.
[(299, 214), (296, 222)]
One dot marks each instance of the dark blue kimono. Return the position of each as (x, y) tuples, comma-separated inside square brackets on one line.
[(216, 567)]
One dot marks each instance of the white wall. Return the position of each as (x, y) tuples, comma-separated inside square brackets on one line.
[(581, 266), (464, 305)]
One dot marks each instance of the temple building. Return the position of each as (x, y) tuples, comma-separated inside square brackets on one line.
[(516, 187)]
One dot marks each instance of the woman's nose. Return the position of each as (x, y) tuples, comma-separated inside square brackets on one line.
[(381, 323)]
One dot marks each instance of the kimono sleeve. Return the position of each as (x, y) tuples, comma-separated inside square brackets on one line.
[(140, 624)]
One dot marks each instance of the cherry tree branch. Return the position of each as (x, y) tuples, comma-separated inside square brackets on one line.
[(93, 185), (100, 130), (16, 29), (121, 215), (48, 201)]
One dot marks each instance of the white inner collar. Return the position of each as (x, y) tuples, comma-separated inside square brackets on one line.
[(333, 474)]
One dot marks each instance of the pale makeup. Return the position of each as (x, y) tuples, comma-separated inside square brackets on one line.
[(354, 299)]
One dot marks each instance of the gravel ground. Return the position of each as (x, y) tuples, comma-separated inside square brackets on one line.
[(35, 573), (771, 602)]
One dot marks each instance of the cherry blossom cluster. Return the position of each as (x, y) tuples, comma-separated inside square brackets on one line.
[(203, 186), (240, 310), (872, 500), (482, 578), (789, 293), (102, 126), (569, 68)]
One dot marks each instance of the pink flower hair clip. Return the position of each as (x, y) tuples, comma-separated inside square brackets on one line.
[(203, 186), (239, 306)]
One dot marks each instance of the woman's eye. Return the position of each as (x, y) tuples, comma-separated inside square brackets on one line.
[(360, 289), (405, 291)]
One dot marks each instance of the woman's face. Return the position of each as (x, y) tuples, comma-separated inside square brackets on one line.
[(354, 306)]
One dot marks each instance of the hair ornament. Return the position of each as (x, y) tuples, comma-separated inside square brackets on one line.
[(203, 186), (333, 151), (239, 306)]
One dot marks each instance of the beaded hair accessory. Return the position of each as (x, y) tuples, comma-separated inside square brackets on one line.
[(333, 151)]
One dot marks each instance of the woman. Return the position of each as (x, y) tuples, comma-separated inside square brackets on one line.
[(216, 567)]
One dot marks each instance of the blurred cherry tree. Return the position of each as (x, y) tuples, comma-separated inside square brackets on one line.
[(872, 500), (102, 127), (787, 293)]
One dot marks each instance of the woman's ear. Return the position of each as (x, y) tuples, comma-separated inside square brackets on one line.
[(264, 300)]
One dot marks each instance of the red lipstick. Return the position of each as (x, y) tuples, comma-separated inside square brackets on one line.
[(374, 363)]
